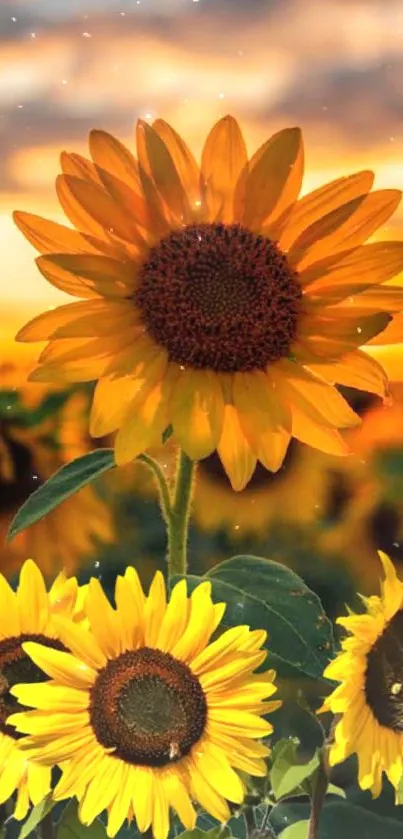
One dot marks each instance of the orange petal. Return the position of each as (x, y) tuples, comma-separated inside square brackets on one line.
[(79, 166), (92, 273), (312, 207), (183, 159), (346, 227), (235, 452), (393, 334), (156, 162), (264, 420), (48, 236), (344, 326), (327, 440), (363, 267), (224, 157), (110, 155), (356, 369), (385, 298), (197, 412), (390, 356), (91, 209), (312, 396), (274, 180)]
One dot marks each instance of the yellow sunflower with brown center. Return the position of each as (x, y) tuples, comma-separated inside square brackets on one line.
[(27, 615), (368, 702), (152, 712), (216, 301)]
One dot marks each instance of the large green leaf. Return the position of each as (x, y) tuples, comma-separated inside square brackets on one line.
[(65, 482), (287, 775), (70, 827), (266, 595), (35, 817)]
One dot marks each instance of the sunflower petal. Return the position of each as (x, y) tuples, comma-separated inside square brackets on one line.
[(356, 369), (224, 157), (197, 411), (234, 450), (275, 177), (313, 396), (264, 419), (182, 157)]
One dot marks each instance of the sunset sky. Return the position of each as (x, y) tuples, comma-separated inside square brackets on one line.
[(335, 67)]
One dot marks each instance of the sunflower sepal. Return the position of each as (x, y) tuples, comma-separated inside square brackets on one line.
[(270, 596), (62, 485)]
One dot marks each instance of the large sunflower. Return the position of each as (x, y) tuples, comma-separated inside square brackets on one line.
[(216, 301), (26, 614), (150, 713), (30, 453), (369, 701)]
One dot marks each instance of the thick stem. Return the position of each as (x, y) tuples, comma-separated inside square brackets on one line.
[(318, 795), (178, 520), (47, 828)]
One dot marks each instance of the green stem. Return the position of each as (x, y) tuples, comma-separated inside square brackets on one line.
[(178, 520), (165, 498), (318, 795), (47, 828)]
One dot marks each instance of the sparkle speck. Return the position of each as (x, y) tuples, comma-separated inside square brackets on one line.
[(20, 106), (33, 34), (359, 330), (64, 81), (14, 19), (87, 35), (221, 95)]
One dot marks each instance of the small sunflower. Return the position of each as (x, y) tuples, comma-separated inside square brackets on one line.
[(369, 486), (26, 615), (268, 498), (151, 714), (369, 701), (29, 455), (215, 300)]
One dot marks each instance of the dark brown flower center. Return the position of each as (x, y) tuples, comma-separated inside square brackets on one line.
[(15, 668), (384, 676), (147, 706), (220, 297)]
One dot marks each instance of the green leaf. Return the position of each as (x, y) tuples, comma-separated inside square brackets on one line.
[(287, 774), (266, 595), (339, 818), (299, 830), (70, 827), (333, 790), (221, 832), (65, 482), (35, 817)]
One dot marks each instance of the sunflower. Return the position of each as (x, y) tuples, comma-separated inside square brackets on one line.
[(150, 714), (30, 453), (267, 499), (26, 614), (370, 514), (215, 300), (369, 701)]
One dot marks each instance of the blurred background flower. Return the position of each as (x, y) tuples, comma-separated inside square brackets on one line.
[(66, 68)]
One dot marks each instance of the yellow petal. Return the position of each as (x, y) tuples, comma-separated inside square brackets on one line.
[(364, 266), (224, 157), (109, 405), (265, 421), (356, 369), (206, 795), (32, 599), (314, 397), (215, 769), (9, 614), (47, 696), (92, 210), (234, 450), (200, 624), (61, 666), (197, 411), (157, 161), (146, 419), (80, 643), (49, 237), (267, 190), (155, 609), (175, 619), (111, 155), (103, 619)]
